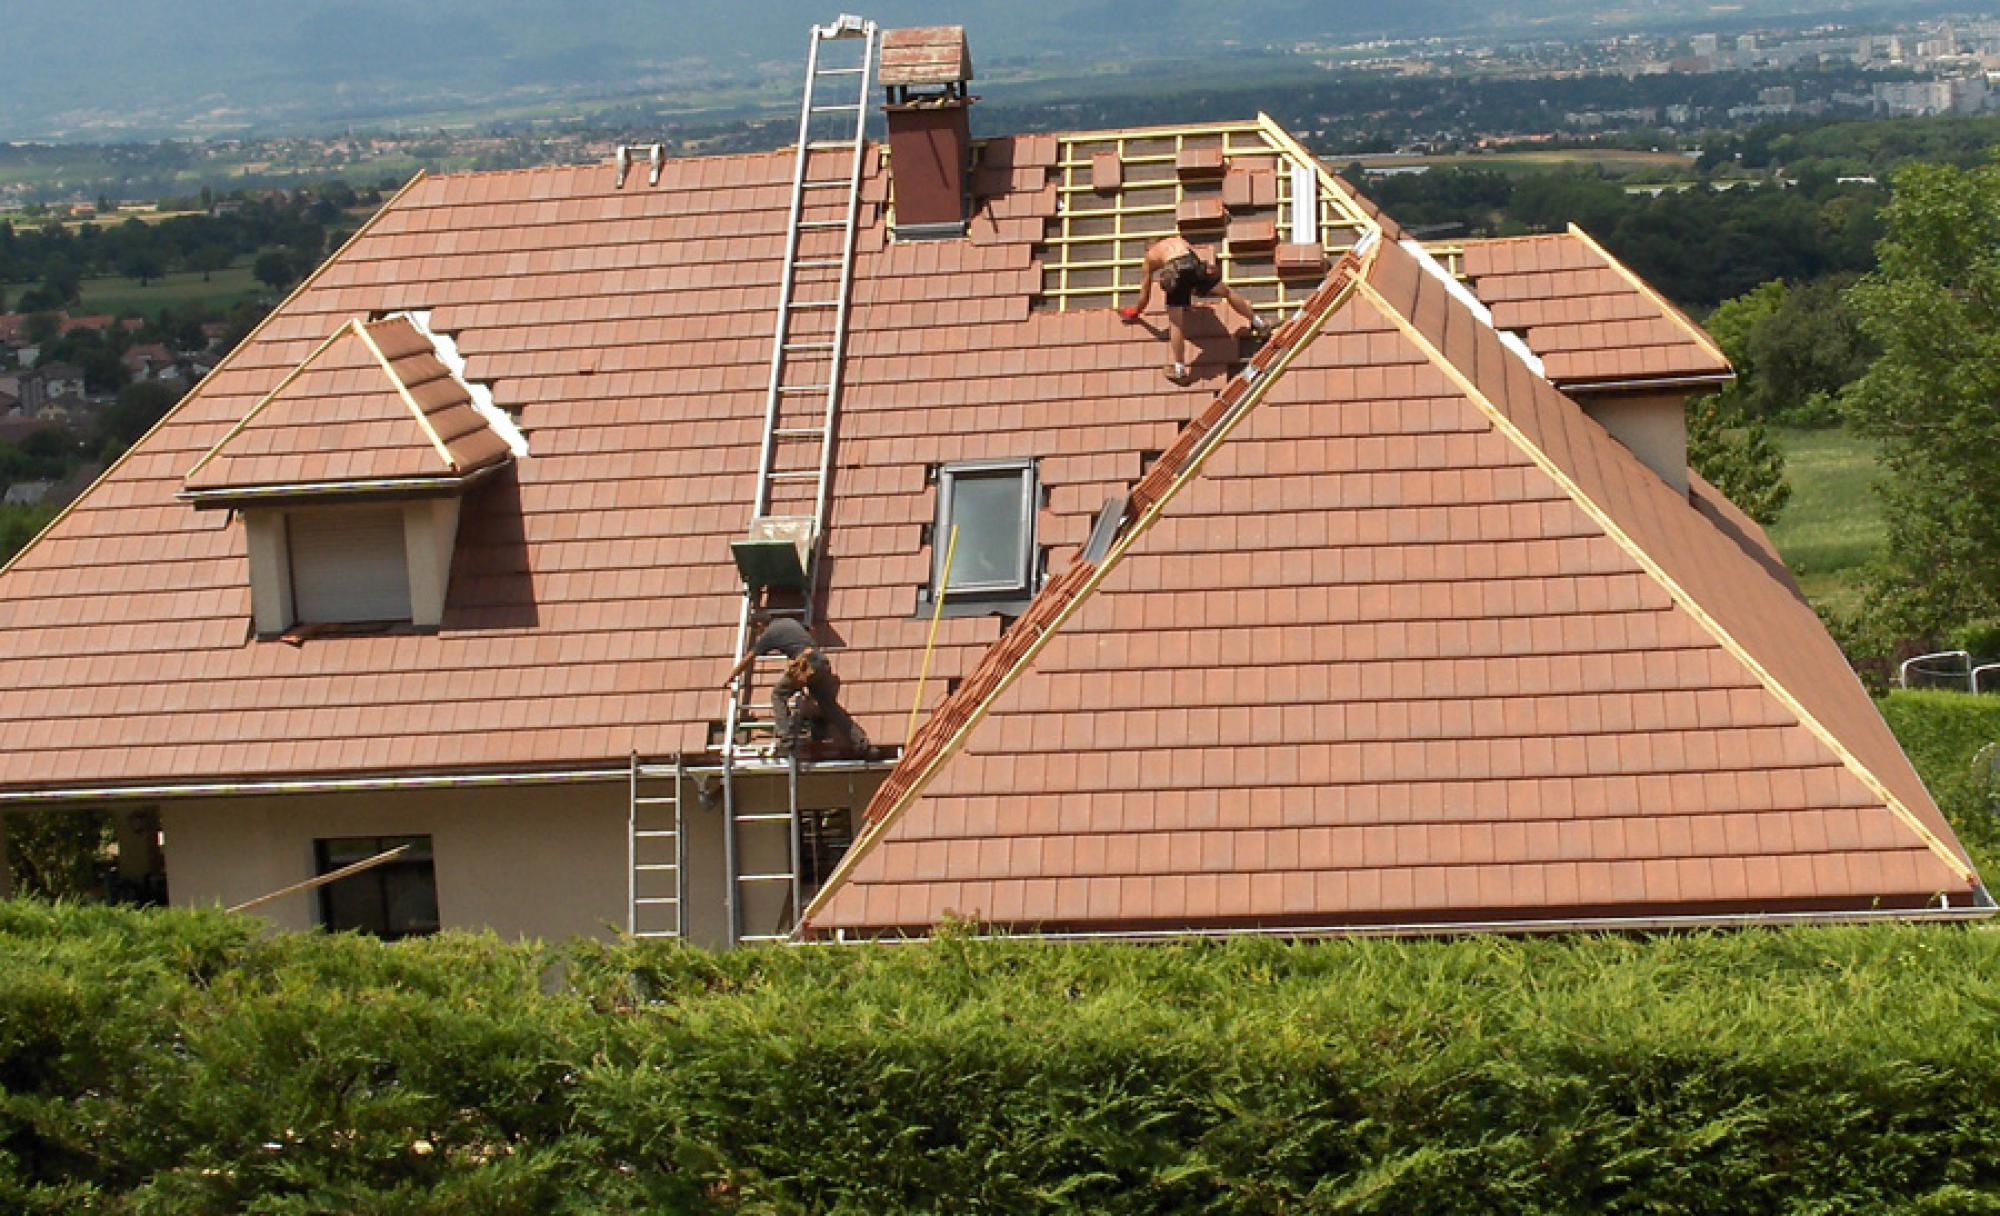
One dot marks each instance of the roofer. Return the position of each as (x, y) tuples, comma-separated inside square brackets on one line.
[(1185, 271), (807, 690)]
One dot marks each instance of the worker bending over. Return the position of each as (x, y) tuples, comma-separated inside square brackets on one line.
[(1185, 271), (808, 689)]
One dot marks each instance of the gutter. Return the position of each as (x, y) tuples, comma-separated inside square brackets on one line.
[(309, 785), (1981, 909), (433, 487), (1710, 380)]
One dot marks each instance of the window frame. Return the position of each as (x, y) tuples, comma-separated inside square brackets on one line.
[(948, 477), (377, 877)]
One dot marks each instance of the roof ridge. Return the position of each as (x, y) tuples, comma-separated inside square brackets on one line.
[(1682, 598), (946, 731)]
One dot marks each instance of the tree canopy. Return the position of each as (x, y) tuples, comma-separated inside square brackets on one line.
[(1932, 399)]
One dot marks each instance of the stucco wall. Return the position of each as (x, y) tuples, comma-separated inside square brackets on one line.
[(523, 861), (1653, 425)]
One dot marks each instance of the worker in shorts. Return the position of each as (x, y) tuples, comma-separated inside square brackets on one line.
[(1183, 272), (807, 671)]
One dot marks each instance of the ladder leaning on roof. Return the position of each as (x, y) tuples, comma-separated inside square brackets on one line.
[(807, 351)]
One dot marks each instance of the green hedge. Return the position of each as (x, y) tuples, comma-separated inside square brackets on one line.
[(183, 1063), (1944, 734)]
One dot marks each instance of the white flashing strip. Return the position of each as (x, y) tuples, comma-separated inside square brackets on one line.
[(1463, 294), (308, 785), (482, 395), (1305, 204)]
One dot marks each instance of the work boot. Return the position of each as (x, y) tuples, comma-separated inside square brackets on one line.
[(1178, 373), (1260, 329)]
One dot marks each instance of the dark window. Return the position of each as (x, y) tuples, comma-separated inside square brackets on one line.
[(992, 504), (395, 899), (824, 837)]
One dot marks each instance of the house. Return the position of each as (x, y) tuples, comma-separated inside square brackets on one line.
[(56, 380), (27, 493), (151, 361), (1412, 619)]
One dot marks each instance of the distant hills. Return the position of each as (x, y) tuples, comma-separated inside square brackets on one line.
[(118, 69)]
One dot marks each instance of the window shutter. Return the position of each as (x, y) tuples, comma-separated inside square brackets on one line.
[(348, 565)]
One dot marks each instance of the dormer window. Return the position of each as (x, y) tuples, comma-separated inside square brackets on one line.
[(349, 475)]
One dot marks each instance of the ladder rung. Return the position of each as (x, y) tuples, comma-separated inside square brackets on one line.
[(830, 145), (651, 867), (655, 834), (799, 432), (808, 346), (774, 818), (842, 184), (796, 389), (839, 71), (836, 109), (657, 801), (657, 900), (666, 933), (814, 305), (755, 938), (763, 878), (798, 475), (818, 264), (822, 223)]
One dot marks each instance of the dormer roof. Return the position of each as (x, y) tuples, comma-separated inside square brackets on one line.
[(372, 408)]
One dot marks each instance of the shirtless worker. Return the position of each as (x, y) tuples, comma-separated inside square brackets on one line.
[(1185, 271), (808, 671)]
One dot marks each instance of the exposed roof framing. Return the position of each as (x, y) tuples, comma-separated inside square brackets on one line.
[(1095, 243)]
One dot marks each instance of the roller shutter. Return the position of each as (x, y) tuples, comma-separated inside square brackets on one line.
[(348, 565)]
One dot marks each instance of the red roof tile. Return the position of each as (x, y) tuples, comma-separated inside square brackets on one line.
[(1589, 318), (1484, 734), (374, 402)]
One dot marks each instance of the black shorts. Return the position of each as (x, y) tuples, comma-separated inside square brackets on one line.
[(1186, 277)]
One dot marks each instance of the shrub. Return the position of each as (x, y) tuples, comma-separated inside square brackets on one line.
[(175, 1062)]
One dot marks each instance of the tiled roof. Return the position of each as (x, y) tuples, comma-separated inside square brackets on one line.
[(1588, 317), (1422, 643), (1419, 640), (593, 597), (373, 403)]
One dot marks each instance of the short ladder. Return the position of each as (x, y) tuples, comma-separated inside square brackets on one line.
[(655, 852)]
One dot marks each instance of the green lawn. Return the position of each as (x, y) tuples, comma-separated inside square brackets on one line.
[(1833, 524), (224, 290)]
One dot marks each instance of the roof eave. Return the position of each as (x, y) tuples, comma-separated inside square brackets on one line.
[(303, 492)]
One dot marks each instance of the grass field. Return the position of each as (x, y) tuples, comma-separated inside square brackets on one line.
[(1833, 525), (224, 290)]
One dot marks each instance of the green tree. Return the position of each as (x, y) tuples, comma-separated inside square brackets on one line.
[(274, 269), (1932, 400), (1732, 448), (1794, 349)]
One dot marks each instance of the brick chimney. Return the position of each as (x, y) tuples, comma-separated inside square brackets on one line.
[(930, 137)]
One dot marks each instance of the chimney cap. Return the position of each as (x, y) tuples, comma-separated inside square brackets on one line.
[(935, 54)]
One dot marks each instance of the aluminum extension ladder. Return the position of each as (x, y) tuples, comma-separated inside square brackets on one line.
[(795, 458), (655, 852)]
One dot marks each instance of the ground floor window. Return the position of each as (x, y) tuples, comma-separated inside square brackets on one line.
[(395, 899), (824, 837)]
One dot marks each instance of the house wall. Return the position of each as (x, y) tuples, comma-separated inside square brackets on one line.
[(542, 861), (1653, 425)]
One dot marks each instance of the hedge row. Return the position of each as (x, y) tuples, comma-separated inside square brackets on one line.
[(182, 1063)]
